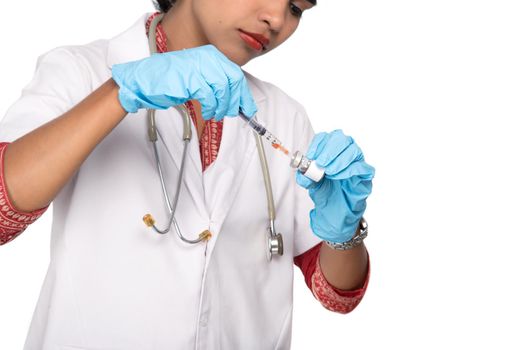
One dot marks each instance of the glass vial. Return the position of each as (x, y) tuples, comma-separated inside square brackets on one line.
[(307, 167)]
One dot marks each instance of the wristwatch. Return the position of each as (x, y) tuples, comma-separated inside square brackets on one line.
[(355, 241)]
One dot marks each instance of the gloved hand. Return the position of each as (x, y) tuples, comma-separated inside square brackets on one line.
[(340, 197), (168, 79)]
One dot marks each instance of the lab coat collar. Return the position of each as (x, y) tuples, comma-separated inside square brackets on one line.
[(132, 45)]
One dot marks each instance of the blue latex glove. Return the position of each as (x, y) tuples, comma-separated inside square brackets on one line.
[(168, 79), (340, 197)]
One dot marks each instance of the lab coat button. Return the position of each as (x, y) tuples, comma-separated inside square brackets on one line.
[(203, 321)]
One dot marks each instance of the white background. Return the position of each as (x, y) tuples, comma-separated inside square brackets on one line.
[(432, 91)]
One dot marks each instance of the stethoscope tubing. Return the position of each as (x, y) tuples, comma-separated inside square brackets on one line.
[(172, 207), (275, 240)]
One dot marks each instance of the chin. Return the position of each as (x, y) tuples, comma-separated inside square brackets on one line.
[(239, 55), (243, 61)]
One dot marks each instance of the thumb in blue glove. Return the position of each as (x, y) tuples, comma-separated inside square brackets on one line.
[(340, 197)]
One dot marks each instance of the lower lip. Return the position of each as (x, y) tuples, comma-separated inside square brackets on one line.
[(251, 42)]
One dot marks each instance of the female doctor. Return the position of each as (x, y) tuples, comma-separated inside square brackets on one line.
[(77, 137)]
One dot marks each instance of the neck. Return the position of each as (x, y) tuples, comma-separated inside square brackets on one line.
[(181, 28)]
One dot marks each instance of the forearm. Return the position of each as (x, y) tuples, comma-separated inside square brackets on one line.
[(40, 163), (344, 269)]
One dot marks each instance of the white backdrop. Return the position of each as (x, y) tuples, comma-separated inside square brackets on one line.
[(432, 91)]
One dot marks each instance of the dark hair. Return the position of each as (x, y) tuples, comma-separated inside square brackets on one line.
[(163, 5)]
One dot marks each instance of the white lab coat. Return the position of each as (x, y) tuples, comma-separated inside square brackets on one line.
[(114, 284)]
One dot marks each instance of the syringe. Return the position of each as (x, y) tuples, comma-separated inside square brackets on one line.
[(262, 131), (307, 167)]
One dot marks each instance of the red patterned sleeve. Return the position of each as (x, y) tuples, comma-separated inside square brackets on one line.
[(333, 299), (12, 221)]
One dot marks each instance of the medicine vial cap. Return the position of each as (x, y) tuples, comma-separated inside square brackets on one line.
[(307, 167)]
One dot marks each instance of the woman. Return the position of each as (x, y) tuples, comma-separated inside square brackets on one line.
[(78, 138)]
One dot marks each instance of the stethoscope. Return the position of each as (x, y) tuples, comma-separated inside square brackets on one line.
[(275, 243)]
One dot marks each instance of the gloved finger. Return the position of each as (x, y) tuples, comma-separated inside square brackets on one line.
[(218, 79), (343, 160), (212, 70), (234, 99), (316, 145), (204, 94), (230, 68), (247, 103), (335, 144), (235, 77), (239, 87), (357, 191), (222, 95), (358, 169), (303, 181)]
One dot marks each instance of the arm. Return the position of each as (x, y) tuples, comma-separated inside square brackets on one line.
[(39, 164), (12, 221), (332, 298), (340, 201), (344, 269)]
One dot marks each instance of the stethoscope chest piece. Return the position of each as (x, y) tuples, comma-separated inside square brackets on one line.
[(275, 244)]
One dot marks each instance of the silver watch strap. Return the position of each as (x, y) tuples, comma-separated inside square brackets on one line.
[(355, 241)]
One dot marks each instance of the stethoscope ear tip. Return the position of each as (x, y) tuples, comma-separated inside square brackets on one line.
[(205, 235), (148, 220)]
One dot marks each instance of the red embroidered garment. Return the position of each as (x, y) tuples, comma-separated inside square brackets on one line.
[(12, 221)]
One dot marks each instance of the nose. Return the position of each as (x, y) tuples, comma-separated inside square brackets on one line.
[(274, 13)]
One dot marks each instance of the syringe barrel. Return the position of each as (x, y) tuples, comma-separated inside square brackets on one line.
[(259, 129)]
